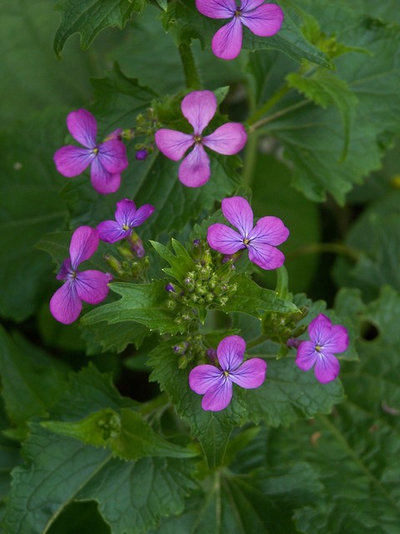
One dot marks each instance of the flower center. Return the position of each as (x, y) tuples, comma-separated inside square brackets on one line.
[(125, 227), (197, 139), (318, 348), (95, 151), (246, 241), (238, 13), (226, 374)]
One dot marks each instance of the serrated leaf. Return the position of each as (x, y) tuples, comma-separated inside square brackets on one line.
[(179, 259), (90, 17)]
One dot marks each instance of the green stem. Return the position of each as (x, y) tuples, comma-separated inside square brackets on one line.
[(192, 77), (250, 158), (282, 283), (314, 248), (257, 341), (278, 114), (269, 104)]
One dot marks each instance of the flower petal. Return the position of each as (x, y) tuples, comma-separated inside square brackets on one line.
[(125, 212), (103, 181), (327, 368), (199, 108), (265, 256), (224, 239), (228, 139), (239, 213), (83, 127), (270, 231), (227, 42), (111, 231), (173, 144), (218, 397), (217, 9), (64, 270), (306, 355), (142, 214), (84, 243), (248, 5), (230, 352), (319, 329), (204, 377), (265, 21), (251, 374), (194, 170), (338, 340), (72, 160), (112, 155), (92, 286), (65, 305)]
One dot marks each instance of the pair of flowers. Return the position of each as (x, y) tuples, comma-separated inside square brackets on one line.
[(216, 382)]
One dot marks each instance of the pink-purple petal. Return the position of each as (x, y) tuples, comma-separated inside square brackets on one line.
[(251, 374), (319, 329), (239, 213), (230, 352), (112, 155), (125, 212), (72, 160), (83, 127), (306, 355), (172, 143), (228, 139), (224, 239), (204, 377), (111, 231), (326, 368), (103, 181), (265, 256), (84, 243), (194, 171), (264, 21), (65, 305), (248, 5), (269, 230), (142, 214), (199, 108), (227, 42), (216, 9), (92, 286), (218, 397), (338, 340)]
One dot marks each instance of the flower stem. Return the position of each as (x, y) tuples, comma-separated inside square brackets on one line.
[(189, 66), (269, 104), (278, 114), (282, 283)]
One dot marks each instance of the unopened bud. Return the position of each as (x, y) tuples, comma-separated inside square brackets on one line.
[(141, 154)]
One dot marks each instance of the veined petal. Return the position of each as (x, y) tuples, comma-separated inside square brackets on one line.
[(217, 9), (338, 340), (204, 377), (251, 374), (64, 270), (142, 214), (72, 160), (65, 305), (248, 5), (218, 397), (269, 230), (194, 170), (265, 21), (172, 143), (103, 181), (199, 108), (320, 329), (83, 127), (228, 139), (125, 212), (227, 42), (239, 213), (306, 355), (111, 231), (112, 155), (265, 256), (326, 368), (91, 286), (84, 243), (224, 239), (230, 352)]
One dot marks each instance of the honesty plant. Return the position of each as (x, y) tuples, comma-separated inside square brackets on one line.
[(127, 217), (199, 108), (262, 19), (107, 160)]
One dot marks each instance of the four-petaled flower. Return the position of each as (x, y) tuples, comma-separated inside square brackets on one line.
[(199, 107), (127, 217), (262, 19), (107, 160), (216, 383), (326, 339), (88, 286), (260, 241)]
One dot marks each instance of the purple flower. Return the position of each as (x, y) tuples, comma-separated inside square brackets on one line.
[(89, 286), (261, 241), (216, 384), (107, 160), (199, 108), (262, 19), (326, 339), (127, 217), (141, 154)]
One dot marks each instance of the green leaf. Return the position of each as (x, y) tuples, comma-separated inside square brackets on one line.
[(31, 381), (179, 260), (104, 337), (90, 17), (142, 303)]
